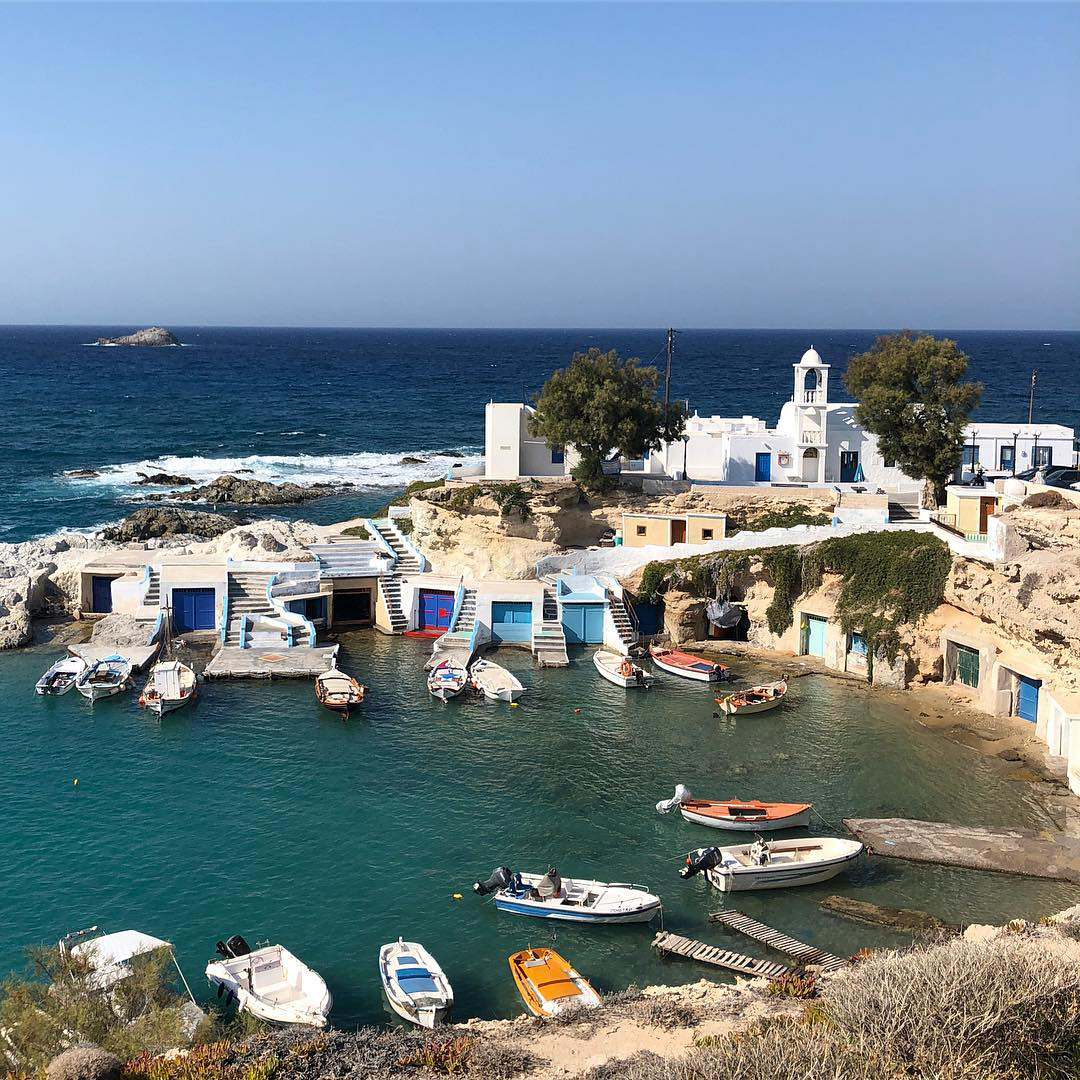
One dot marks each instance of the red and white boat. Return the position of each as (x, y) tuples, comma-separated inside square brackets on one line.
[(737, 815), (689, 667)]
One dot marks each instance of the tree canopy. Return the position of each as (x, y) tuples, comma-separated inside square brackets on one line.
[(601, 403), (913, 396)]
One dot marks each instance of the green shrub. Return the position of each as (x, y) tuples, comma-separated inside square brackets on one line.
[(359, 531), (510, 497), (794, 984), (786, 517), (415, 488)]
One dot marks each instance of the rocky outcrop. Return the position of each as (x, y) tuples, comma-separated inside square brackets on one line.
[(157, 521), (81, 474), (163, 479), (240, 491), (119, 630), (154, 336)]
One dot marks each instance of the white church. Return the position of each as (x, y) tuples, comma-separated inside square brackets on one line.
[(815, 441)]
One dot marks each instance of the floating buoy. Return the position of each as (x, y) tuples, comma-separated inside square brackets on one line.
[(75, 782), (513, 704), (576, 711), (457, 896)]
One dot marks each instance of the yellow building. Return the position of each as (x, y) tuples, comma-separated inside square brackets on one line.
[(968, 508), (665, 530)]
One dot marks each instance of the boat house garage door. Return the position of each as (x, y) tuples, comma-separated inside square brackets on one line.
[(511, 621), (1027, 698), (193, 609), (583, 623), (101, 594), (813, 635), (435, 610), (967, 665)]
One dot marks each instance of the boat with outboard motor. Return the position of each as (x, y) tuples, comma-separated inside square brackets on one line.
[(621, 670), (548, 984), (270, 983), (685, 665), (756, 699), (551, 896), (104, 677), (447, 679), (60, 678), (415, 986), (737, 815), (775, 864), (171, 686), (495, 682)]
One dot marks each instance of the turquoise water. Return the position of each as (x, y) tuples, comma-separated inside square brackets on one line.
[(257, 812)]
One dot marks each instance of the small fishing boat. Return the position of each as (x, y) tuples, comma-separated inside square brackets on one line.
[(548, 984), (775, 864), (270, 983), (550, 896), (104, 677), (683, 664), (756, 699), (415, 985), (171, 686), (447, 679), (60, 678), (495, 682), (338, 691), (621, 670), (746, 815)]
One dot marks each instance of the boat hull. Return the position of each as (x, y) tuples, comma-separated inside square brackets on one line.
[(425, 1006), (774, 876), (729, 704), (56, 689), (697, 675), (537, 911), (96, 693), (626, 682), (163, 706), (535, 969), (748, 824)]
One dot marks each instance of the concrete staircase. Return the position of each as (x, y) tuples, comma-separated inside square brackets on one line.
[(549, 644), (344, 558), (247, 596), (153, 590), (407, 562), (390, 591), (627, 633), (466, 617), (904, 506)]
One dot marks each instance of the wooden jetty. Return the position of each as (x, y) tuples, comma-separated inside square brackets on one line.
[(674, 945), (298, 662), (805, 954), (1045, 854)]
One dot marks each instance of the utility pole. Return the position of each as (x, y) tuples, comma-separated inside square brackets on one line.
[(667, 377), (1031, 396)]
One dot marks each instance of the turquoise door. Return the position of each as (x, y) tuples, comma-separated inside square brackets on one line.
[(813, 632), (583, 624), (763, 468), (511, 622), (1027, 698)]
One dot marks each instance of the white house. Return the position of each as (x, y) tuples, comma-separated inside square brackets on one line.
[(512, 452), (1006, 449)]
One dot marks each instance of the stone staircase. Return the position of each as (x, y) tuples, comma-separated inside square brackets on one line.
[(407, 562), (549, 644), (904, 506), (390, 591), (628, 635), (153, 590), (466, 617), (344, 558), (247, 596)]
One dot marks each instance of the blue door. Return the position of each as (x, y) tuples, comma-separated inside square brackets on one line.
[(192, 609), (583, 623), (511, 621), (813, 633), (101, 594), (763, 467), (849, 466), (435, 610), (1027, 698)]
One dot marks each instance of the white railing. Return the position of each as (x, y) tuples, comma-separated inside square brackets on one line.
[(813, 397), (811, 438)]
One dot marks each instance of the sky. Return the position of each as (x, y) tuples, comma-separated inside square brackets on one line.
[(535, 165)]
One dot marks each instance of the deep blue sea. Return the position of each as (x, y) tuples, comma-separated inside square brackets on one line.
[(333, 404)]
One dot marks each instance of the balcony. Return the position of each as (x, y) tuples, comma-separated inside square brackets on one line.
[(811, 438), (813, 397)]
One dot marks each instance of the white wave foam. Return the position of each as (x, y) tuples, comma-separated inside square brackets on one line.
[(365, 470)]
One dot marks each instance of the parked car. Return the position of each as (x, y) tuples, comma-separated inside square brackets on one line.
[(1053, 475)]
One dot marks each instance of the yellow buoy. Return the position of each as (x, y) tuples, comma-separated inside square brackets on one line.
[(457, 896)]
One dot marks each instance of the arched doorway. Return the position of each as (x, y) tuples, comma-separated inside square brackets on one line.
[(810, 466)]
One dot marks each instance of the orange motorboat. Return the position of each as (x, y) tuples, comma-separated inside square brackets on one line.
[(548, 984)]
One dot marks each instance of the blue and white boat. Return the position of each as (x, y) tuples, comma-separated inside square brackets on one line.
[(104, 677), (551, 896), (415, 986), (776, 864)]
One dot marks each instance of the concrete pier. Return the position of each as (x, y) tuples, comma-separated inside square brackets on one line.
[(139, 655), (270, 663), (1045, 854)]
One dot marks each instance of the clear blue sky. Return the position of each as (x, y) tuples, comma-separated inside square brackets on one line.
[(541, 165)]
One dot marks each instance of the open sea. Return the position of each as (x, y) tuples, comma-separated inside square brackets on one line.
[(256, 812)]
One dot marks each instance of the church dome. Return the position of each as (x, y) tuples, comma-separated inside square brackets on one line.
[(810, 358)]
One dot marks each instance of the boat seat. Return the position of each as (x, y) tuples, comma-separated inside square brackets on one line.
[(415, 980)]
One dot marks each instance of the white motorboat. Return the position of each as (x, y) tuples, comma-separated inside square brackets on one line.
[(495, 682), (776, 864), (270, 983), (60, 678), (415, 985), (447, 679), (551, 896), (171, 686), (621, 670), (104, 677)]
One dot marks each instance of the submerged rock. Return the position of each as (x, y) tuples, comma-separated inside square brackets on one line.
[(155, 521), (163, 479), (243, 492), (898, 918), (81, 474), (152, 335)]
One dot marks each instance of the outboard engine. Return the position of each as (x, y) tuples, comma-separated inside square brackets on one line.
[(233, 947), (500, 878), (700, 860)]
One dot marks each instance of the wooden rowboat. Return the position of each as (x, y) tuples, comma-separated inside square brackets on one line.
[(737, 815), (548, 984), (621, 670), (756, 699), (685, 665), (338, 691)]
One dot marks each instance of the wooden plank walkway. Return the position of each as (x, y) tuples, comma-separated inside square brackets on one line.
[(805, 954), (674, 945)]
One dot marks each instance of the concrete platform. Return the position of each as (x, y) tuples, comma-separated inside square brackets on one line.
[(271, 663), (1046, 854), (139, 655)]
